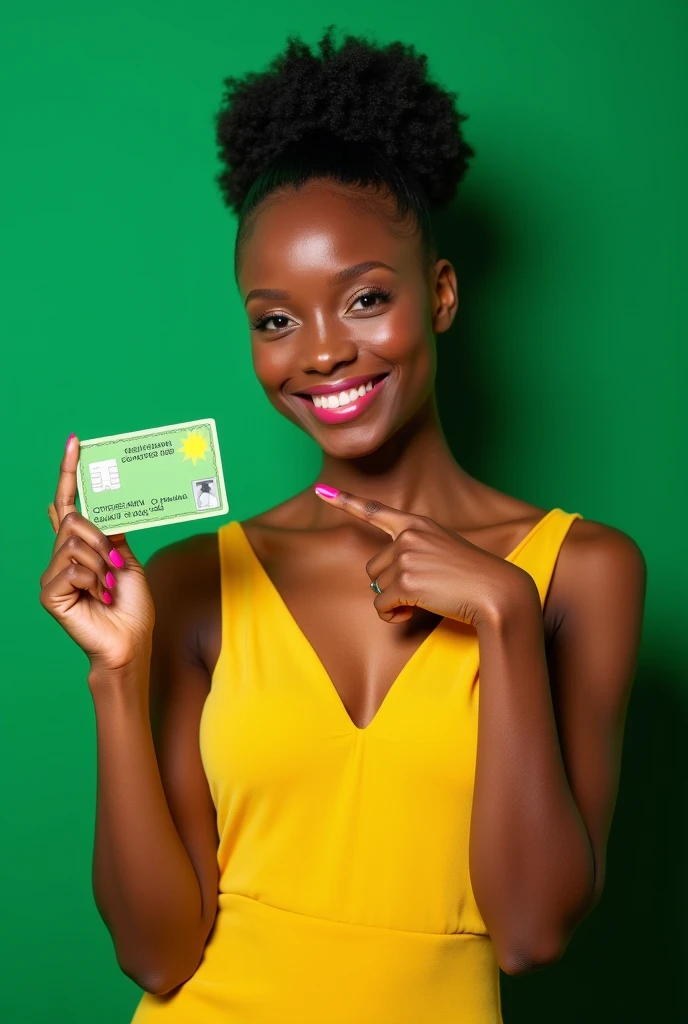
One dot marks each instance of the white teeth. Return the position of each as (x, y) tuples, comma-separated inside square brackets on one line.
[(346, 397), (343, 398)]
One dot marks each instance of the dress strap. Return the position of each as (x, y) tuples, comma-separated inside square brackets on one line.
[(236, 580), (538, 555)]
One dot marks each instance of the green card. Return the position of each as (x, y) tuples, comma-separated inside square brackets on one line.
[(152, 477)]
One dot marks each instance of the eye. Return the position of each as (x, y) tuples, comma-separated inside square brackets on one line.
[(280, 320), (372, 298)]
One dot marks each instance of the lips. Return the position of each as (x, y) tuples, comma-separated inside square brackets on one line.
[(336, 387), (352, 407)]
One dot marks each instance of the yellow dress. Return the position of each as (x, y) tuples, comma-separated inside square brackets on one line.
[(344, 893)]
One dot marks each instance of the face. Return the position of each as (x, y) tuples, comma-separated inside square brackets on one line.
[(343, 315)]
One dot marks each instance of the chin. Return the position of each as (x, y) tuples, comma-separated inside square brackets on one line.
[(351, 443)]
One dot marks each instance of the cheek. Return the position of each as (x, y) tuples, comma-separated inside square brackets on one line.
[(270, 363), (405, 334)]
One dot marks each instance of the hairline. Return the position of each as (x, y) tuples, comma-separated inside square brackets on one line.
[(371, 198)]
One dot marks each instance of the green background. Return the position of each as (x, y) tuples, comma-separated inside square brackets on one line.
[(560, 384)]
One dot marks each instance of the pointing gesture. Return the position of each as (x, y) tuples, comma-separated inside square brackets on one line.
[(428, 566), (389, 519)]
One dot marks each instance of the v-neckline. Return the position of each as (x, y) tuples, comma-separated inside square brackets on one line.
[(317, 660)]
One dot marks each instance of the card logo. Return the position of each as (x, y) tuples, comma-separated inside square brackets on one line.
[(104, 475), (205, 493), (193, 446)]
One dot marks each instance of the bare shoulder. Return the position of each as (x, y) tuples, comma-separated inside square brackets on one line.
[(600, 576), (597, 553), (184, 579), (197, 553), (591, 553)]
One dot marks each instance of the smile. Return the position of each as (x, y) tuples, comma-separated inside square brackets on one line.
[(342, 406)]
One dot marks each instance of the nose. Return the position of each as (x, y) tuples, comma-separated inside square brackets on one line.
[(326, 351)]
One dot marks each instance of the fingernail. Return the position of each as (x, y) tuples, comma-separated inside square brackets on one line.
[(116, 558), (109, 580), (326, 492), (107, 597), (68, 440)]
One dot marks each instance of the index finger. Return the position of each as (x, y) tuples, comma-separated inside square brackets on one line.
[(65, 495), (391, 520)]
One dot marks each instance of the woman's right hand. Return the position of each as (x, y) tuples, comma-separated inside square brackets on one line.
[(93, 585)]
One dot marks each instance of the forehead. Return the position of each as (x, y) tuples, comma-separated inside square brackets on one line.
[(322, 226)]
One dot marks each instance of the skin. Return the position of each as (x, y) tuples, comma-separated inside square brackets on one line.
[(555, 683)]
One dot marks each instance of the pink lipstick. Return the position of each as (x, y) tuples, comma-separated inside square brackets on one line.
[(352, 408)]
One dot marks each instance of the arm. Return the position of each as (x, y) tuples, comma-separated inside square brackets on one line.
[(154, 868), (155, 854), (549, 741), (549, 744)]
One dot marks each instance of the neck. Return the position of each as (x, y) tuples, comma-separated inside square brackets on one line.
[(414, 471)]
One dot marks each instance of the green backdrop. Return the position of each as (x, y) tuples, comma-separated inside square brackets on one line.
[(560, 384)]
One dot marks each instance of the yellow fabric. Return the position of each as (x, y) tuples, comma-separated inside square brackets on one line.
[(344, 894)]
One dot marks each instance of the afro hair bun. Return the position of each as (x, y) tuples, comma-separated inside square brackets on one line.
[(360, 92)]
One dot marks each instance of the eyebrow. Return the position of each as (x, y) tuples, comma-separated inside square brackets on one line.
[(341, 277)]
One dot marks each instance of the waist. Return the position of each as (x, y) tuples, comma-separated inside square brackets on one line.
[(262, 964)]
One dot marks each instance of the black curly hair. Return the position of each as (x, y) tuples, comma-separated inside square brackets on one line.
[(361, 115)]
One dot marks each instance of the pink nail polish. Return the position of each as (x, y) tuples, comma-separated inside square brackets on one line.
[(116, 558), (326, 492), (107, 597), (68, 440), (109, 580)]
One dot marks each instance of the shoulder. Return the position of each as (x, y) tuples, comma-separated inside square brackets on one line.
[(595, 552), (599, 579), (184, 579), (189, 561)]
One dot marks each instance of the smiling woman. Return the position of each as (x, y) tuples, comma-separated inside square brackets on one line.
[(387, 715)]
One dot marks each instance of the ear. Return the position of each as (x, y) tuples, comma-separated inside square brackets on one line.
[(445, 296)]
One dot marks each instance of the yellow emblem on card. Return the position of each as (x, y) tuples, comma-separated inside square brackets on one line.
[(193, 447)]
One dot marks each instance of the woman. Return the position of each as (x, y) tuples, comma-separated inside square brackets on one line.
[(351, 807)]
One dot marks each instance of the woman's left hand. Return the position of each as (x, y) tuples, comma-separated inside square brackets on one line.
[(428, 566)]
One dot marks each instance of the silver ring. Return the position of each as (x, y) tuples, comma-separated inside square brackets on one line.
[(376, 587)]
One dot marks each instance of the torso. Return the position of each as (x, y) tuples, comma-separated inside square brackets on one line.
[(321, 577)]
